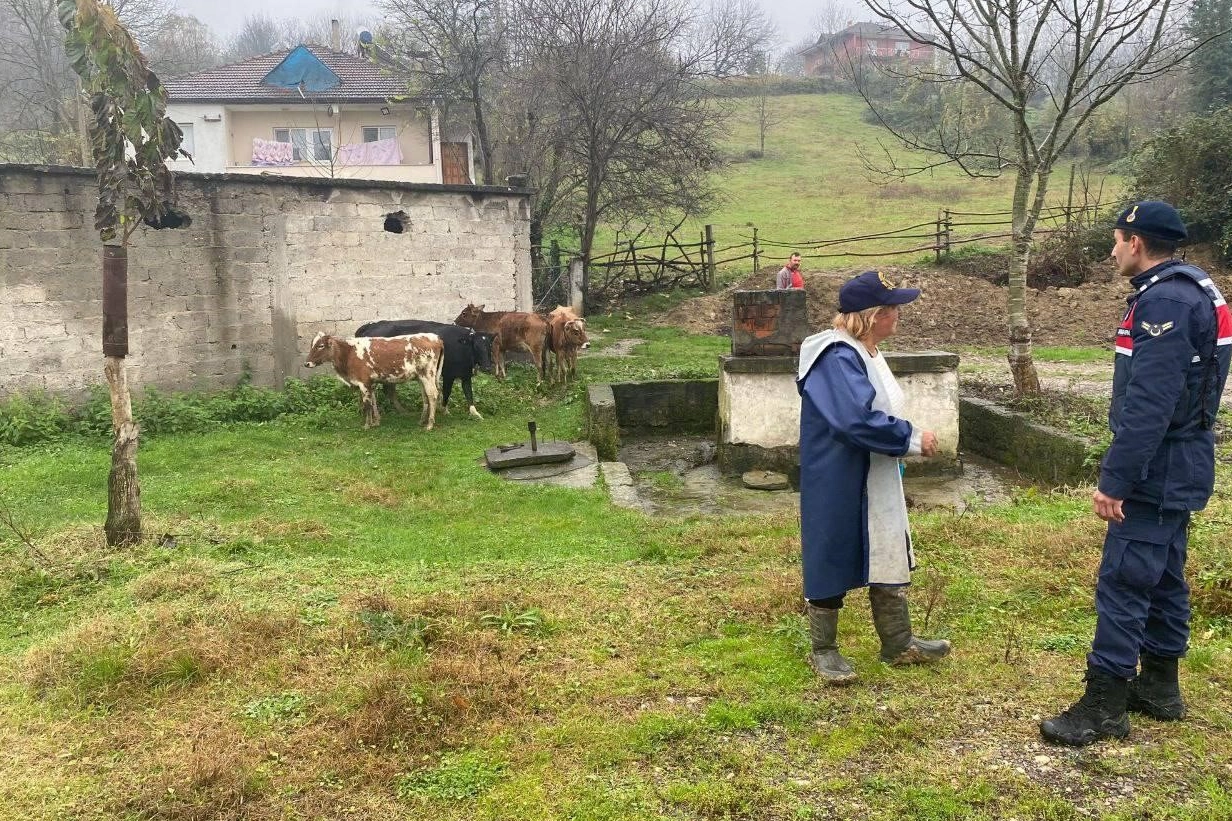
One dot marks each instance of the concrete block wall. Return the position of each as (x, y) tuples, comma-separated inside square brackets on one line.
[(265, 264)]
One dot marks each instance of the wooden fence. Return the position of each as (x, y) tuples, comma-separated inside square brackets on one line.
[(639, 268)]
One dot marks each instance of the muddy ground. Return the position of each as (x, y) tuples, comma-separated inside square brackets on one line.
[(958, 305)]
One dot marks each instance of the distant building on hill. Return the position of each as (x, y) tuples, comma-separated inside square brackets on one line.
[(875, 42)]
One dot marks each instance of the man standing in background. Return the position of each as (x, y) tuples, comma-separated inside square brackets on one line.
[(789, 275)]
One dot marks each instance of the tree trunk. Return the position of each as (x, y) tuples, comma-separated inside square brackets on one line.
[(123, 526), (481, 131), (1022, 365)]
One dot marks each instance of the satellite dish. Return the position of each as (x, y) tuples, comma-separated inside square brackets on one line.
[(364, 35)]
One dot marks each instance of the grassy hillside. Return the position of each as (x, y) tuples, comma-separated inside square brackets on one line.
[(811, 184)]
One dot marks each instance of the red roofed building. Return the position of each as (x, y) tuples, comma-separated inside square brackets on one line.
[(878, 42), (314, 111)]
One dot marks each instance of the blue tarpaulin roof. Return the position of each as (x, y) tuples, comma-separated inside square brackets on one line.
[(302, 69)]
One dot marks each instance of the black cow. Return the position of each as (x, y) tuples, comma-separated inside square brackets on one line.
[(465, 348)]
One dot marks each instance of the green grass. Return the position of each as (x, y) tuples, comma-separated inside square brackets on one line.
[(812, 184), (325, 622), (1083, 354)]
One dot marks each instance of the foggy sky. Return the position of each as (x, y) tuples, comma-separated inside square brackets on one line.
[(225, 16)]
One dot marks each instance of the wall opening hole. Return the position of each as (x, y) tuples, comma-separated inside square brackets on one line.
[(397, 222), (171, 219)]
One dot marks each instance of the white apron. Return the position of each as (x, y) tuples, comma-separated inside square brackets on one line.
[(890, 556)]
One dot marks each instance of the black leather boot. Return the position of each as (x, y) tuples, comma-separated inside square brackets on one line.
[(823, 636), (892, 618), (1156, 692), (1100, 713)]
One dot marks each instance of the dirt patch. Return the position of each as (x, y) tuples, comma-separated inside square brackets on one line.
[(955, 307)]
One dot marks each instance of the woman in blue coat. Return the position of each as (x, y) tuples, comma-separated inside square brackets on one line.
[(853, 515)]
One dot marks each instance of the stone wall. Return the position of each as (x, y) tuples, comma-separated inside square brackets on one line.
[(264, 265)]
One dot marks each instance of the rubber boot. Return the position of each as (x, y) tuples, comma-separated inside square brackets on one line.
[(823, 636), (892, 619), (1156, 692), (1100, 713)]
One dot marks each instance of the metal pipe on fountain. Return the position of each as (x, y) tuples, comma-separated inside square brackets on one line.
[(534, 444)]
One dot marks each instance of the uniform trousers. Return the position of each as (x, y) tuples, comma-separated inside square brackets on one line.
[(1141, 599)]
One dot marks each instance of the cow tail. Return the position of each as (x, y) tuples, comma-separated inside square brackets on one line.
[(440, 363)]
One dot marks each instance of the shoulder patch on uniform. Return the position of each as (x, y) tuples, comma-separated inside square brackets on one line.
[(1157, 329)]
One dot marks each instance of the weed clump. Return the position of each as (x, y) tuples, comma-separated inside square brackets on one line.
[(456, 778)]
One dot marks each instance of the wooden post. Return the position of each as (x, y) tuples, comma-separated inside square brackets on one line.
[(1069, 202), (577, 298), (637, 268), (937, 239), (948, 227), (756, 252), (710, 278)]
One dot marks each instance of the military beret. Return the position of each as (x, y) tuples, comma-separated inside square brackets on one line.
[(1153, 218), (871, 289)]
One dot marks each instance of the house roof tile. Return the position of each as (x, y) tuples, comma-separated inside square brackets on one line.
[(362, 80)]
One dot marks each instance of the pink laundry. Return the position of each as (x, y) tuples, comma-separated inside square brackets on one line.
[(269, 152), (378, 152)]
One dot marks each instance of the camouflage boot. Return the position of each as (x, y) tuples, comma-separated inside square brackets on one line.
[(823, 636), (892, 619)]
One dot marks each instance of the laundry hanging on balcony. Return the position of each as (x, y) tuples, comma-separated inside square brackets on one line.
[(377, 152), (269, 152), (303, 70)]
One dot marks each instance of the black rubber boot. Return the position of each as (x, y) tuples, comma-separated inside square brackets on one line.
[(892, 618), (823, 636), (1156, 692), (1099, 714)]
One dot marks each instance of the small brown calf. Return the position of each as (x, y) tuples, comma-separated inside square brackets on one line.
[(568, 336), (383, 360), (509, 330)]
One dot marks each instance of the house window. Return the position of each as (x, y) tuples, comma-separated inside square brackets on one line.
[(312, 144), (372, 133), (901, 48), (871, 45), (187, 143)]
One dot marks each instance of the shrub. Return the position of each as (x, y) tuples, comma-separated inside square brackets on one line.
[(1063, 259), (27, 419), (34, 417), (1190, 166)]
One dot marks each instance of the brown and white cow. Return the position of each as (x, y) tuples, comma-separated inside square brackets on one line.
[(509, 330), (383, 360), (567, 337)]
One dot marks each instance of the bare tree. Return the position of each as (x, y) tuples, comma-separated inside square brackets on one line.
[(730, 37), (764, 111), (830, 18), (258, 35), (631, 132), (38, 97), (184, 45), (789, 60), (455, 50), (1050, 64), (319, 30)]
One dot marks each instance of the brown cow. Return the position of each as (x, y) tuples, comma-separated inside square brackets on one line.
[(383, 360), (509, 330), (568, 335)]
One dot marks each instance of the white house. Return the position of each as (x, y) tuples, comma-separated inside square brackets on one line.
[(315, 111)]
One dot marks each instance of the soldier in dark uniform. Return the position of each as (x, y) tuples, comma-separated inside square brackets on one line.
[(1172, 353)]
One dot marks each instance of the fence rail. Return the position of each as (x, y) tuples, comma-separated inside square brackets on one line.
[(653, 266)]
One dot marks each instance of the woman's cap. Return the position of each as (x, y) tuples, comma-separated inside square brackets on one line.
[(1153, 218), (870, 290)]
